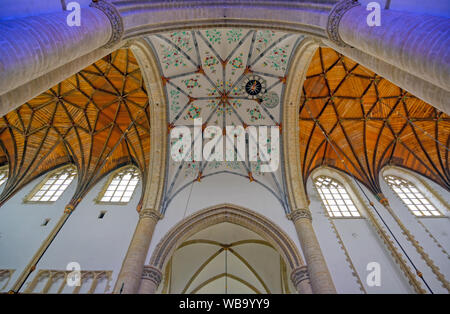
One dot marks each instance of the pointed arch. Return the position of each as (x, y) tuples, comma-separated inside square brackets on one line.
[(226, 213)]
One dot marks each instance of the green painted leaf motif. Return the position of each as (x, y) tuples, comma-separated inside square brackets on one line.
[(214, 36)]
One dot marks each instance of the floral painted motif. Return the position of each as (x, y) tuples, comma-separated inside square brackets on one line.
[(234, 35), (214, 36), (192, 83), (172, 57), (212, 104), (192, 113), (278, 58), (182, 39), (227, 109), (255, 114), (212, 92), (174, 96), (221, 85), (210, 62), (238, 90), (263, 39), (237, 63)]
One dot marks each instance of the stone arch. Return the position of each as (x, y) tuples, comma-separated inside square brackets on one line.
[(291, 135), (158, 121), (419, 181), (348, 183), (226, 213)]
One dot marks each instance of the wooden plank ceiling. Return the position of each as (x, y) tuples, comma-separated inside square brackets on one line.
[(356, 121), (98, 119)]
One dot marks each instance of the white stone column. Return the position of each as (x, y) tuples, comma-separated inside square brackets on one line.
[(34, 45), (151, 278), (300, 279), (416, 43), (321, 281), (133, 265)]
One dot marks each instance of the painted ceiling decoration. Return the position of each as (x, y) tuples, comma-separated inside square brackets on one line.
[(97, 119), (356, 121), (224, 76)]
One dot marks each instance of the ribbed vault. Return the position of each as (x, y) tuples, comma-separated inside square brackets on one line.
[(356, 121), (98, 119)]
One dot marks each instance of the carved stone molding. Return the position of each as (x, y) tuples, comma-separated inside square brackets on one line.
[(299, 274), (153, 274), (226, 213), (300, 213), (150, 213), (335, 17), (114, 17)]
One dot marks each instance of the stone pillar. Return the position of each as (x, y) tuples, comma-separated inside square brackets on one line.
[(133, 265), (36, 45), (415, 43), (300, 279), (319, 275), (151, 278)]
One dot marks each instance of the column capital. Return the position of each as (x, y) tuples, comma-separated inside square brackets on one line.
[(300, 213), (299, 274), (150, 213), (382, 199), (114, 18), (69, 209), (335, 17), (153, 274)]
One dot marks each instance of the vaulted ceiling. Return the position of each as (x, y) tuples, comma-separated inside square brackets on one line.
[(356, 121), (97, 119), (206, 75)]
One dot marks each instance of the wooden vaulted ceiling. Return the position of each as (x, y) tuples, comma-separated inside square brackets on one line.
[(356, 121), (98, 119)]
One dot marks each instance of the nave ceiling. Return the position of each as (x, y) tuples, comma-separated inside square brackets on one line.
[(99, 119)]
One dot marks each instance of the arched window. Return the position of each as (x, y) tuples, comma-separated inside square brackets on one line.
[(53, 186), (412, 197), (3, 175), (335, 198), (121, 187)]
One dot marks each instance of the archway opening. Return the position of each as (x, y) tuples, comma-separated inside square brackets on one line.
[(229, 259)]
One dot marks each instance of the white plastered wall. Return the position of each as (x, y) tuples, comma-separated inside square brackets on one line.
[(218, 189), (355, 238), (96, 244), (432, 233)]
